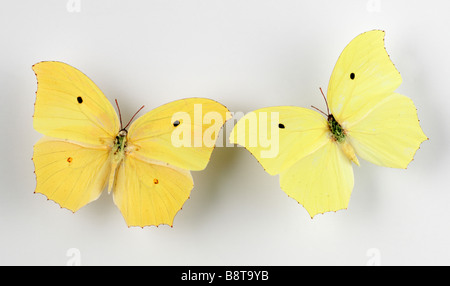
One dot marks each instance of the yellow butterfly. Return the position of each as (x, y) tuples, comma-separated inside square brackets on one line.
[(85, 147), (313, 154)]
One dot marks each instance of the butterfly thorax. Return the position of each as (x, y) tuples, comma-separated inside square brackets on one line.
[(336, 129), (121, 141), (339, 135), (117, 155), (119, 145)]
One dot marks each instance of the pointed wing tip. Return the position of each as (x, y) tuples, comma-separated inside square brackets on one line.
[(35, 66)]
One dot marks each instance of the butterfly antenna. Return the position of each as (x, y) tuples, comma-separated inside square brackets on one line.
[(319, 110), (326, 102), (133, 116), (120, 115)]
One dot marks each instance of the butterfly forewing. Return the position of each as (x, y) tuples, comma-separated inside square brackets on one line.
[(70, 106)]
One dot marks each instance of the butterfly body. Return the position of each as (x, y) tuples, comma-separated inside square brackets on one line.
[(121, 142), (117, 155), (338, 136), (336, 129)]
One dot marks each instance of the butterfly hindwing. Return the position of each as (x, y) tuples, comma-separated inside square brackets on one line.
[(321, 181), (68, 173), (390, 134), (150, 193)]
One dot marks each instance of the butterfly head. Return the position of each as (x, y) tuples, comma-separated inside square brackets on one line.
[(123, 133)]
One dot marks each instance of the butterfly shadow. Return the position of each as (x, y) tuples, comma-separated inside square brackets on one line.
[(206, 194), (366, 192), (102, 212)]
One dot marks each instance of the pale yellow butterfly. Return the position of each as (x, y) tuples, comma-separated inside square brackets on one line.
[(368, 119), (85, 147)]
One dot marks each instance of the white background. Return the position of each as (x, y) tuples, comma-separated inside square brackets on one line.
[(246, 55)]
